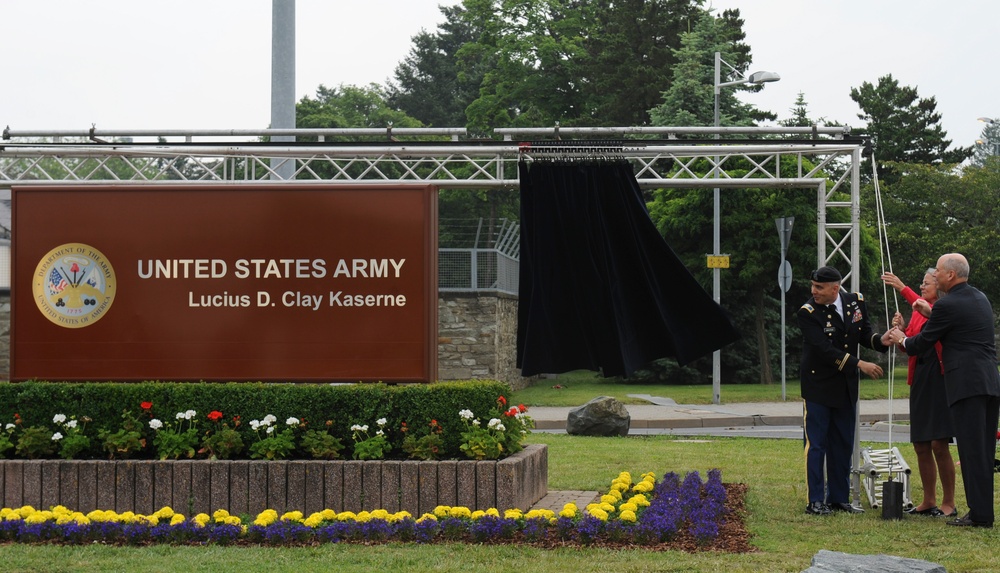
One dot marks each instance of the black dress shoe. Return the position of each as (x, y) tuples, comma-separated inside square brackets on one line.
[(817, 508), (929, 512), (846, 508), (965, 521)]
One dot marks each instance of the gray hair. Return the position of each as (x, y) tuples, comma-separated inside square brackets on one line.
[(958, 263)]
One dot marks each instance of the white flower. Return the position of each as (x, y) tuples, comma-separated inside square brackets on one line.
[(190, 414), (380, 433), (155, 424), (364, 428), (269, 419), (355, 428), (466, 414), (381, 421), (501, 428), (59, 418), (71, 424), (293, 421), (476, 422), (254, 424), (9, 427), (180, 415), (270, 429), (56, 437)]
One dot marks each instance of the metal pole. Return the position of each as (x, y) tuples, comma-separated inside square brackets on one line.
[(283, 81), (716, 247)]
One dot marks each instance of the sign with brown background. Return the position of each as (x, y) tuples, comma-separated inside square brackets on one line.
[(224, 282)]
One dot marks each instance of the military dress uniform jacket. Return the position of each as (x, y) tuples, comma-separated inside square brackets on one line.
[(829, 369)]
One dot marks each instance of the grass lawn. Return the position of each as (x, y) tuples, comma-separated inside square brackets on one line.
[(576, 388)]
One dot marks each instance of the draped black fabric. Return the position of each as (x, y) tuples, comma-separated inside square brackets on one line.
[(599, 287)]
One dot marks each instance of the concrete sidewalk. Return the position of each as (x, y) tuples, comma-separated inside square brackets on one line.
[(664, 413)]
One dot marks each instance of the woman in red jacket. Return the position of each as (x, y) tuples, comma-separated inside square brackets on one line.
[(930, 419)]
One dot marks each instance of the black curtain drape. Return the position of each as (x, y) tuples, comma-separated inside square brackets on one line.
[(599, 287)]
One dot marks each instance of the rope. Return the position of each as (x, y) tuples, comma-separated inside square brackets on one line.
[(886, 256)]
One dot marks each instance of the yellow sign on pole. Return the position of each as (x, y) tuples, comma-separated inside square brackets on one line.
[(718, 261)]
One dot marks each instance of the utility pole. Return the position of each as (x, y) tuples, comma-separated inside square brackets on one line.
[(282, 81)]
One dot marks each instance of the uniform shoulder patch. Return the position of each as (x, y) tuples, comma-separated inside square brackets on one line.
[(860, 296), (808, 307)]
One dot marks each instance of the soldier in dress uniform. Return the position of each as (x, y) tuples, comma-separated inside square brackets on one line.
[(833, 324)]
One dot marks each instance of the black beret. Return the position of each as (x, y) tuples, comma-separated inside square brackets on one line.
[(826, 275)]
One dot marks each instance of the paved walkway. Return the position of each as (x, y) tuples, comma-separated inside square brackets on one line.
[(663, 415)]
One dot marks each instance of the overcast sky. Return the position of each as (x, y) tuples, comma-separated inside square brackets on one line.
[(205, 64)]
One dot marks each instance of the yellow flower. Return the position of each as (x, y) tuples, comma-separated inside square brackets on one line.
[(608, 507), (570, 507), (313, 520), (427, 516), (493, 512), (177, 519), (460, 512), (609, 499), (233, 520), (201, 519), (347, 516), (540, 514), (363, 517), (477, 514), (627, 515), (639, 500), (380, 514), (220, 515), (165, 512), (512, 514), (643, 487), (38, 517), (127, 517), (442, 511), (25, 511), (292, 516), (599, 513), (329, 515), (629, 506), (568, 511), (400, 516), (80, 518), (266, 517)]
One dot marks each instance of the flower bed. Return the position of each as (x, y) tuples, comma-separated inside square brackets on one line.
[(647, 513), (249, 487)]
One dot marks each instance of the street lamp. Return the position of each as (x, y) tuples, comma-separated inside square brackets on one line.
[(993, 148), (754, 78)]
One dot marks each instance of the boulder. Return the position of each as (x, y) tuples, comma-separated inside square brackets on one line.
[(602, 416), (837, 562)]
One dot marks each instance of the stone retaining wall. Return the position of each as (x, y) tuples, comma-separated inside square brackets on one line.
[(249, 487)]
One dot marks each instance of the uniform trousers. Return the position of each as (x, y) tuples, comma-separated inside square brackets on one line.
[(829, 438), (975, 420)]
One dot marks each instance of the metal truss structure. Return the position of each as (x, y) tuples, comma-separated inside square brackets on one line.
[(822, 159)]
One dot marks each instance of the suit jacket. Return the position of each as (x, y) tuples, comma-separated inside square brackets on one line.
[(829, 369), (963, 321)]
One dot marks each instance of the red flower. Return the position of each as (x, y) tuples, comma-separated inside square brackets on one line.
[(502, 401), (146, 406), (522, 408), (215, 415)]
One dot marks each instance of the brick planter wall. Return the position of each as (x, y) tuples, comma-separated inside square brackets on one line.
[(249, 487)]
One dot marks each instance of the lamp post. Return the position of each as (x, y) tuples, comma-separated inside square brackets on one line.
[(754, 78), (988, 142)]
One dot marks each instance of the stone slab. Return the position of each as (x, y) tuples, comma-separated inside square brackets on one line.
[(239, 487), (333, 486), (313, 487), (390, 486), (836, 562)]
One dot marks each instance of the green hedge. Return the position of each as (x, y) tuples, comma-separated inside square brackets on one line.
[(343, 405)]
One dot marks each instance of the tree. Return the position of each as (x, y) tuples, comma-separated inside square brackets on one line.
[(690, 99), (428, 85), (935, 209), (903, 127), (631, 53)]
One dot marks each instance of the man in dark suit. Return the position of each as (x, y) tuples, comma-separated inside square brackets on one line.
[(963, 322), (833, 324)]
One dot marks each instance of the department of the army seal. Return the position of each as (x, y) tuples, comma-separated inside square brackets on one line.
[(74, 285)]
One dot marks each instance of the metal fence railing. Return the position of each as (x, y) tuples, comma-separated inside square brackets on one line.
[(473, 270)]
